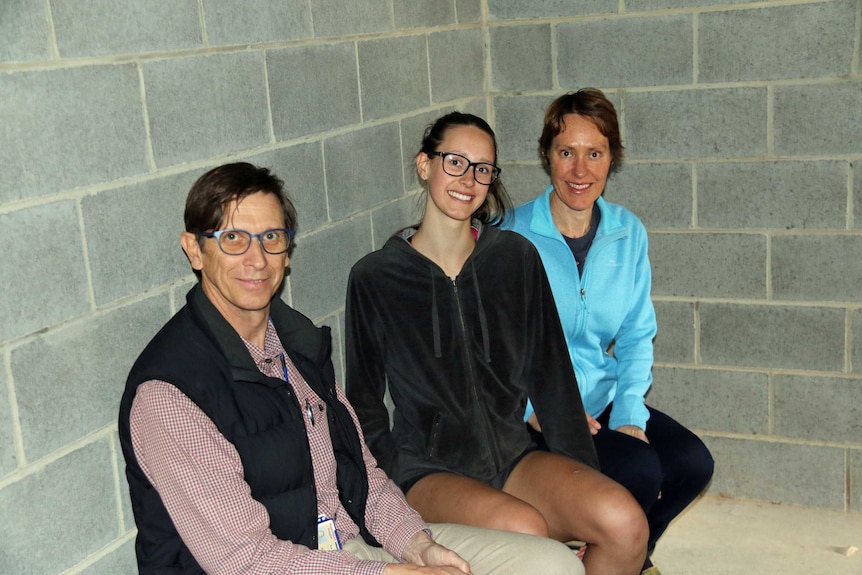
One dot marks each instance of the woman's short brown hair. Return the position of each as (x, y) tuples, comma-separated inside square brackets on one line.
[(591, 103)]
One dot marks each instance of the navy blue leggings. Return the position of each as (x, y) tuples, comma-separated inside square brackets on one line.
[(675, 462)]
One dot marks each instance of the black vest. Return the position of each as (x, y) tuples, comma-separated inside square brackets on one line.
[(198, 352)]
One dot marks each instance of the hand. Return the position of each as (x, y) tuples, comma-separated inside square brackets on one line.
[(410, 568), (422, 551), (595, 426), (634, 431), (534, 422)]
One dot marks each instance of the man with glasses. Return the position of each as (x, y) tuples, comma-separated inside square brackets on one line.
[(242, 454)]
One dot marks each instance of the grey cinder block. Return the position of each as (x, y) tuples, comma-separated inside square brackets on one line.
[(519, 124), (67, 128), (513, 9), (203, 106), (339, 18), (856, 339), (659, 194), (821, 268), (756, 44), (25, 31), (82, 391), (772, 336), (424, 13), (125, 499), (511, 46), (829, 126), (640, 5), (46, 242), (468, 10), (121, 560), (465, 80), (674, 341), (102, 27), (301, 169), (306, 101), (625, 52), (712, 400), (857, 193), (772, 471), (321, 263), (403, 212), (524, 182), (855, 459), (699, 123), (8, 457), (252, 21), (133, 236), (393, 74), (363, 169), (775, 195), (818, 408), (708, 265), (57, 516)]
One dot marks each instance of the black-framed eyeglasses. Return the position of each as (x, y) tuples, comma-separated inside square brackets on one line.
[(457, 165), (236, 242)]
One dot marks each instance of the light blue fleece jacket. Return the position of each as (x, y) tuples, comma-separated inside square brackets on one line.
[(607, 314)]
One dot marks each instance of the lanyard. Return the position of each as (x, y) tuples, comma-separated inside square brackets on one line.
[(284, 368), (308, 409)]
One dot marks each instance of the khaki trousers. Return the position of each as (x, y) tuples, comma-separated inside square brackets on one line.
[(489, 551)]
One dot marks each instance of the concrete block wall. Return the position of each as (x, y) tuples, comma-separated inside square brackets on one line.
[(109, 110), (743, 131)]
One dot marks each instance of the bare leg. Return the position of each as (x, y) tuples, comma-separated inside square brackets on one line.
[(578, 502), (450, 498)]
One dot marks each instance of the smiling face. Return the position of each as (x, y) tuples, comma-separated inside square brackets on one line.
[(456, 197), (241, 286), (580, 159)]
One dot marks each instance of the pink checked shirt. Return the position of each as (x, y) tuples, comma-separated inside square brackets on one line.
[(199, 476)]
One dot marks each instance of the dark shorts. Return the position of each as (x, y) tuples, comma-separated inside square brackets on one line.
[(497, 482)]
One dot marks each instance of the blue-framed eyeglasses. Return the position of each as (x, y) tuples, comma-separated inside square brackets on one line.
[(457, 165), (236, 242)]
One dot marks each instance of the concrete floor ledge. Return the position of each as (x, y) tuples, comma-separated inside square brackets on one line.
[(721, 536)]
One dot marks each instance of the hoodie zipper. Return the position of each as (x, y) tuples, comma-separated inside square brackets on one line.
[(471, 383)]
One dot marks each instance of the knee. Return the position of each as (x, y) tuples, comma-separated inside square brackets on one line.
[(703, 466), (696, 468), (624, 523), (519, 518)]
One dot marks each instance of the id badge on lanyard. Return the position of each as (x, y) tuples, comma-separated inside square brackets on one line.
[(327, 534)]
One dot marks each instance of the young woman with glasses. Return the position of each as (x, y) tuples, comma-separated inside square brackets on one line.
[(455, 319)]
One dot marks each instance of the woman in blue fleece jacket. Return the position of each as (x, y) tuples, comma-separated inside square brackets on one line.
[(595, 256)]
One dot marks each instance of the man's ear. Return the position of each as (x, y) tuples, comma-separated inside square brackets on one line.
[(190, 245), (423, 163)]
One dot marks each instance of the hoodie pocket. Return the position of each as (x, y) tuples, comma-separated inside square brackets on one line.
[(434, 436)]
